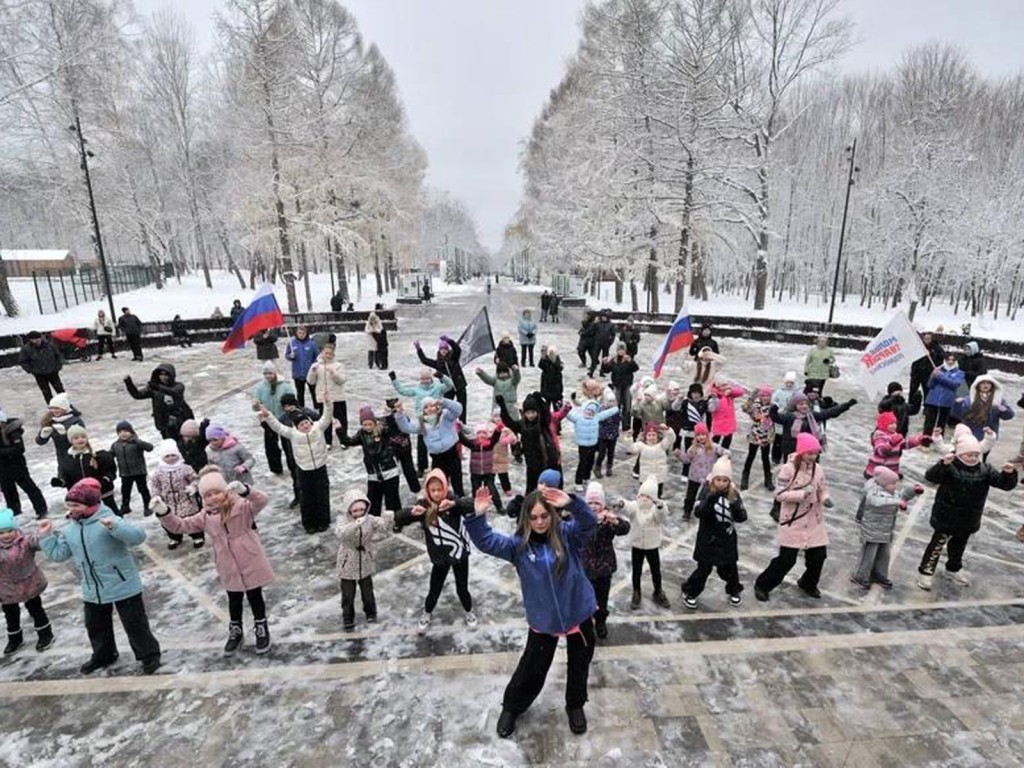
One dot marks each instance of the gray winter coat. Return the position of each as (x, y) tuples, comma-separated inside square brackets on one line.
[(131, 456), (878, 511), (232, 454)]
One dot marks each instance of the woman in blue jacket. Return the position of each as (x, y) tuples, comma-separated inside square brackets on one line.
[(557, 595), (942, 386), (99, 541), (302, 351)]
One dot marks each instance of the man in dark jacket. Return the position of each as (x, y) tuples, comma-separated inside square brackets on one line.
[(545, 304), (604, 337), (621, 367), (131, 327), (337, 302), (630, 336), (14, 470), (170, 410), (921, 371), (43, 360), (447, 363), (972, 363)]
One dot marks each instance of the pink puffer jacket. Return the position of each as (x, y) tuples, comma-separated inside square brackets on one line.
[(803, 493), (723, 421), (20, 577)]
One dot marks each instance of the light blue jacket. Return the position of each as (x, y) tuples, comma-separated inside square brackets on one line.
[(302, 354), (587, 430), (272, 400), (527, 331), (108, 568), (440, 437), (436, 390)]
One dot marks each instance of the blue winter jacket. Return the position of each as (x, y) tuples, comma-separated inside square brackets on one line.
[(302, 354), (942, 387), (554, 604), (272, 400), (1000, 412), (588, 430), (527, 331), (441, 436), (437, 389), (108, 568)]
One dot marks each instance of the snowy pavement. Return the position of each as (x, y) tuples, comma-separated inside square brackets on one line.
[(903, 677)]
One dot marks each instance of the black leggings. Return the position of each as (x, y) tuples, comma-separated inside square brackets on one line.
[(107, 341), (782, 563), (723, 440), (256, 604), (475, 481), (439, 575), (766, 462), (12, 613), (524, 351), (404, 456), (935, 416), (606, 451), (586, 463), (532, 670), (449, 463), (139, 481), (386, 491), (339, 410), (955, 546), (653, 557)]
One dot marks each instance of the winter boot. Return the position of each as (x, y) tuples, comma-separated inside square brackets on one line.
[(45, 639), (370, 359), (235, 636), (660, 598), (506, 724), (14, 641), (577, 720), (597, 471), (635, 602), (745, 481), (262, 636), (93, 664), (768, 484)]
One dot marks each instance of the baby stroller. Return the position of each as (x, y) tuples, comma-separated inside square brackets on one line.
[(73, 343)]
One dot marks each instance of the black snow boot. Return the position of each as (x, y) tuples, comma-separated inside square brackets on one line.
[(235, 636), (768, 484), (45, 637), (506, 724), (14, 641), (262, 636), (745, 481), (577, 720)]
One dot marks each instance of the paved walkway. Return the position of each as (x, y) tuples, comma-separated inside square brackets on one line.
[(897, 678)]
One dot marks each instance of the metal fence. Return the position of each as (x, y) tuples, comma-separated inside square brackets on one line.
[(58, 289)]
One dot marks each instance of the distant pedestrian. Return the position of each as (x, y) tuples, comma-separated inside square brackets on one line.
[(14, 469), (545, 305), (179, 332), (41, 358), (103, 327), (131, 327), (266, 345), (236, 310)]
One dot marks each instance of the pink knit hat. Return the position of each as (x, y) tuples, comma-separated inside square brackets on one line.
[(886, 478), (807, 443)]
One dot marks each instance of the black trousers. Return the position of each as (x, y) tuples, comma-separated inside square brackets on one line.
[(955, 546), (18, 477), (179, 537), (723, 440), (602, 586), (782, 563), (339, 409), (139, 481), (386, 491), (691, 497), (412, 479), (727, 572), (475, 481), (653, 557), (818, 384), (300, 394), (506, 482), (256, 605), (348, 599), (381, 358), (460, 398), (105, 341), (422, 456), (528, 679), (624, 398), (586, 463), (605, 451), (99, 623), (49, 383), (523, 355), (439, 575), (135, 342), (449, 463), (766, 463), (935, 416), (315, 499), (777, 456), (274, 446), (12, 614)]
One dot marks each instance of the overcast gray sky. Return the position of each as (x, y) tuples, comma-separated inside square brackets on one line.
[(474, 73)]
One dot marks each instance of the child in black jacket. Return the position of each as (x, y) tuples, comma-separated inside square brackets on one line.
[(14, 469), (598, 553), (130, 454)]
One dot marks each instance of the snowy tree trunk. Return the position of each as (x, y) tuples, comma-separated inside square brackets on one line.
[(6, 297)]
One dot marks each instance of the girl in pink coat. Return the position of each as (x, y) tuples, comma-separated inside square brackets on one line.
[(21, 581), (229, 511), (723, 419), (803, 495)]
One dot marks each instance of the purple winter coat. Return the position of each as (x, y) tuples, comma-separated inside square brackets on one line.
[(20, 577)]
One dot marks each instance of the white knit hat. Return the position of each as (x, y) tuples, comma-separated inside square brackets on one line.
[(168, 448), (595, 492), (722, 468), (62, 401), (649, 487)]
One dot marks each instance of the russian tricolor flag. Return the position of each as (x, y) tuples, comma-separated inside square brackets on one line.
[(680, 336), (262, 314)]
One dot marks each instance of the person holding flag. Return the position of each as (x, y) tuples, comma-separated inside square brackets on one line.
[(262, 314), (448, 363), (679, 337)]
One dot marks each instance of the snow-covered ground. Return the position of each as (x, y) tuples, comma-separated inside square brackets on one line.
[(190, 298), (816, 309), (384, 695)]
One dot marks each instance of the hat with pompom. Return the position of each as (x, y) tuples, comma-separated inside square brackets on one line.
[(86, 492), (595, 492)]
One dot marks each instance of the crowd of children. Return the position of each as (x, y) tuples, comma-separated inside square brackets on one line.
[(563, 545)]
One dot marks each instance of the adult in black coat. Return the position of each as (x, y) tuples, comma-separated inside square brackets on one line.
[(972, 363), (266, 345), (604, 337), (621, 367), (448, 363), (14, 469), (894, 403), (41, 358), (131, 327), (963, 480), (921, 371), (552, 385), (337, 302), (586, 345), (704, 339), (534, 430), (168, 395), (630, 336), (545, 305)]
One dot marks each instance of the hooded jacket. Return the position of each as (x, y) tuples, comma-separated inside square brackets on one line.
[(942, 387), (723, 420), (271, 398), (176, 485), (436, 390), (327, 380), (481, 453), (551, 382), (59, 427), (446, 536), (232, 454), (588, 429), (238, 552), (998, 411), (378, 456), (527, 331), (962, 493), (598, 551), (507, 387), (973, 363), (802, 493), (442, 435), (106, 564), (90, 463), (878, 510), (555, 602), (506, 353), (654, 458), (130, 456), (647, 515), (21, 579), (12, 448), (718, 514), (169, 406), (359, 539), (700, 460), (538, 439), (449, 365), (43, 360), (887, 450)]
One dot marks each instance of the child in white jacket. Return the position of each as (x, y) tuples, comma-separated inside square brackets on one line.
[(647, 515), (653, 452), (309, 446), (360, 534)]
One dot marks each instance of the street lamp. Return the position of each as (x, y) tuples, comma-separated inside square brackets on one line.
[(97, 239), (851, 151)]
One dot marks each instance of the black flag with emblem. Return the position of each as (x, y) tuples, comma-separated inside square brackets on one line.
[(477, 339)]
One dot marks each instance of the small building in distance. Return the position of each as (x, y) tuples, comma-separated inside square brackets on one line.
[(22, 263)]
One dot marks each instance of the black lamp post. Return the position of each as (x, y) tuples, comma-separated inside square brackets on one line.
[(852, 152), (85, 155)]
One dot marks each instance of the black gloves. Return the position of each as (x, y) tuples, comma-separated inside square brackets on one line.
[(392, 375)]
